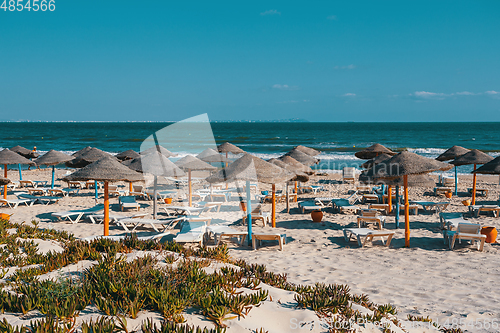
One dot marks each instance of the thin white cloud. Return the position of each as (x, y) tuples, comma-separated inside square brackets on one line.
[(492, 92), (332, 17), (466, 93), (351, 66), (284, 87), (349, 95), (270, 12), (428, 94)]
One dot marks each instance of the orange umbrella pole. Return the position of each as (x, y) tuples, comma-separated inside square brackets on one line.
[(407, 213), (389, 199), (296, 192), (273, 209), (474, 187), (189, 185), (106, 209), (227, 184), (5, 186), (130, 188)]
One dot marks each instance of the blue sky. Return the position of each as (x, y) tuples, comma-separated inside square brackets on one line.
[(319, 61)]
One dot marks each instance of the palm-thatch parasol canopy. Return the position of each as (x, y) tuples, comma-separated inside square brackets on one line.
[(302, 157), (189, 162), (373, 151), (105, 169), (376, 160), (158, 149), (491, 168), (296, 164), (308, 150), (4, 181), (251, 168), (127, 155), (24, 152), (472, 157), (155, 164), (406, 163), (227, 147), (211, 156), (53, 157), (413, 180), (87, 156), (9, 157), (452, 153), (299, 175)]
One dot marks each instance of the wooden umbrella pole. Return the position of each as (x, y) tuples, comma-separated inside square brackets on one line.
[(273, 208), (389, 198), (407, 213), (106, 209), (287, 199), (227, 184), (474, 187), (5, 186), (189, 185), (249, 214)]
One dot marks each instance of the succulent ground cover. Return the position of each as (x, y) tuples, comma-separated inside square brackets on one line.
[(166, 279)]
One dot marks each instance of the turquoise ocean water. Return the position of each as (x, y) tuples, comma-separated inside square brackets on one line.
[(337, 141)]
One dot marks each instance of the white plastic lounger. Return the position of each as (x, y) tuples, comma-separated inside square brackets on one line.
[(172, 210), (128, 202), (63, 191), (223, 231), (13, 203), (477, 209), (119, 238), (74, 216), (191, 232), (164, 224), (469, 231), (259, 237), (98, 218), (445, 217), (364, 235), (44, 200), (429, 205)]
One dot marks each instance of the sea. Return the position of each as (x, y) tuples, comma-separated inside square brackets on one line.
[(337, 141)]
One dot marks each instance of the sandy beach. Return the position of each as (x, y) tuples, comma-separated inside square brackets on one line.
[(425, 280)]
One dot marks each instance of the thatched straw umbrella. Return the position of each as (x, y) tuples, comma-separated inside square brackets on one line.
[(158, 149), (376, 160), (251, 169), (373, 151), (308, 150), (490, 168), (451, 154), (472, 157), (127, 155), (189, 163), (53, 158), (4, 181), (227, 147), (403, 165), (107, 169), (211, 156), (298, 166), (157, 165), (25, 152), (299, 176), (302, 157), (8, 157)]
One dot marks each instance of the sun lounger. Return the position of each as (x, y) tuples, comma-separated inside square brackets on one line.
[(223, 231), (468, 231), (370, 197), (27, 183), (63, 191), (44, 200), (74, 216), (91, 184), (114, 190), (172, 210), (378, 220), (349, 174), (429, 205), (161, 195), (445, 217), (265, 217), (98, 218), (259, 237), (364, 235), (191, 232), (479, 191), (446, 181), (309, 206), (478, 209), (13, 185), (154, 237), (128, 202), (341, 205), (76, 184), (380, 207), (311, 188), (13, 203), (442, 190), (209, 205), (135, 222), (139, 191), (412, 208), (364, 188)]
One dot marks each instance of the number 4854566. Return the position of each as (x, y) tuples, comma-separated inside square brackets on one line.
[(35, 5)]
